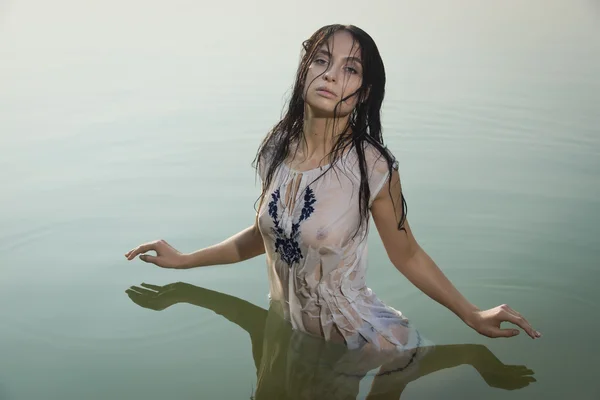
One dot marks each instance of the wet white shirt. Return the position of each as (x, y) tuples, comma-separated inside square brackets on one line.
[(316, 268)]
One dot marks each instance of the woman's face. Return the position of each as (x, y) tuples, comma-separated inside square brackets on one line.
[(335, 73)]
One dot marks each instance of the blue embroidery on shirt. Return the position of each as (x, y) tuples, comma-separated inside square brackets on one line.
[(288, 247)]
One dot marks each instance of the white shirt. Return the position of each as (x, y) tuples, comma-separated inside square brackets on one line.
[(316, 269)]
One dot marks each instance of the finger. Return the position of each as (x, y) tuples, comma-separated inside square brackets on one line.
[(156, 260), (132, 289), (132, 292), (135, 297), (173, 285), (167, 244), (143, 291), (497, 332), (519, 321), (512, 310), (522, 370), (536, 334), (153, 287), (141, 249), (133, 252), (149, 259), (138, 299)]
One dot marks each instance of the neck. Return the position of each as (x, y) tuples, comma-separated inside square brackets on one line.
[(320, 134)]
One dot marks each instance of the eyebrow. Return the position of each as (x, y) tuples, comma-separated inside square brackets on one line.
[(328, 54)]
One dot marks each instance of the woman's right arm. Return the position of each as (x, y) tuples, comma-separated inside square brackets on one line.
[(239, 247)]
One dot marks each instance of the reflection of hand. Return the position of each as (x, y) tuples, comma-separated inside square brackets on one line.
[(499, 375), (509, 377), (246, 315), (156, 297)]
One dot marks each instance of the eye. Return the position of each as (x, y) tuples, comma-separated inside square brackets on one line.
[(320, 61), (351, 70)]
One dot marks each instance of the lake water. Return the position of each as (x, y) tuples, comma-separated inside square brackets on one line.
[(125, 121)]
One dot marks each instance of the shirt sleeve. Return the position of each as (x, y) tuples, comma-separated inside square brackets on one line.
[(378, 170), (261, 168), (263, 164)]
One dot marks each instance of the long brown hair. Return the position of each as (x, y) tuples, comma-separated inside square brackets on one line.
[(364, 124)]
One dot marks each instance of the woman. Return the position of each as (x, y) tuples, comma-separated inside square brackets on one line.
[(324, 172)]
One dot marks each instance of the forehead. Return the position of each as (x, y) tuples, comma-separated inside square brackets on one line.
[(342, 44)]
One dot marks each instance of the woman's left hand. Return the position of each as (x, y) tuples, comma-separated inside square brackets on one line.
[(488, 322)]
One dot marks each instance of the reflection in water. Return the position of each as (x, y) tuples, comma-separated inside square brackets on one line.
[(293, 365)]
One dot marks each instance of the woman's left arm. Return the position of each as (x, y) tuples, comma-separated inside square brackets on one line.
[(414, 263)]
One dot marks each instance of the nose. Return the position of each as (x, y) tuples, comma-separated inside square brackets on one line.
[(329, 75)]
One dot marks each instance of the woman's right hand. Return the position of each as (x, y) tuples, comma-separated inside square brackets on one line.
[(166, 255)]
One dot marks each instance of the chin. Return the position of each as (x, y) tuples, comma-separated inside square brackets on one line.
[(325, 108)]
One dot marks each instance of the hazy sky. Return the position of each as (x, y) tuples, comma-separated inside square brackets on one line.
[(89, 60)]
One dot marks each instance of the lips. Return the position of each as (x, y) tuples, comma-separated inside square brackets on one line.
[(324, 90)]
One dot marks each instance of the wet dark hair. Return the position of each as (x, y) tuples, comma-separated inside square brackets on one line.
[(364, 123)]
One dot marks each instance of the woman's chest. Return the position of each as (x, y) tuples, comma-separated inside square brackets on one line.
[(303, 211)]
